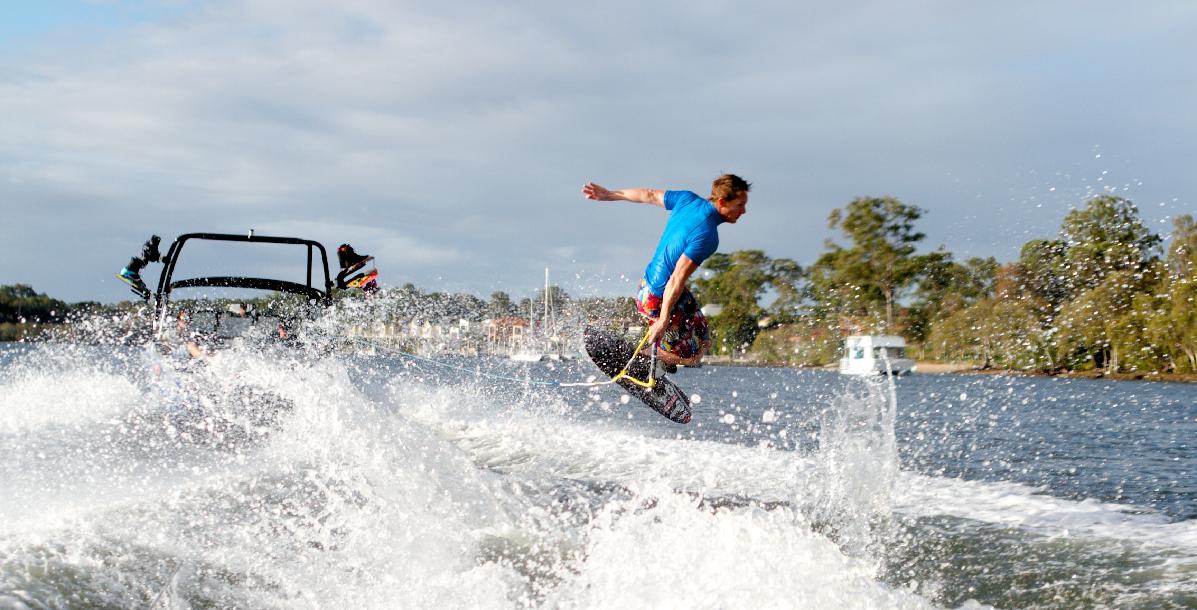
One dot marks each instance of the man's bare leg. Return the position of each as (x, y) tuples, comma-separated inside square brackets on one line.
[(674, 359)]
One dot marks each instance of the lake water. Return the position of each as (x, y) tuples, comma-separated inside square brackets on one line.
[(275, 479)]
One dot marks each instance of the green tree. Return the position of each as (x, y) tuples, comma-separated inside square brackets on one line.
[(1042, 273), (836, 290), (1093, 324), (1182, 251), (500, 305), (1105, 257), (946, 287), (21, 303), (736, 281), (465, 306), (879, 264), (785, 278), (558, 302), (992, 333), (1106, 236), (806, 341), (615, 314), (733, 330), (1175, 329), (1137, 337), (404, 301)]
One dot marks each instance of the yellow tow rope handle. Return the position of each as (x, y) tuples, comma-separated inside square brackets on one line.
[(651, 381)]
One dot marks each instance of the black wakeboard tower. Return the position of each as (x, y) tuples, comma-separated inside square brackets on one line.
[(317, 271)]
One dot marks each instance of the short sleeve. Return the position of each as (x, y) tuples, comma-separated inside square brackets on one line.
[(676, 200), (671, 198)]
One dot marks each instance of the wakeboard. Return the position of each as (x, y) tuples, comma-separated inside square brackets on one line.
[(365, 280), (610, 353), (358, 265), (137, 286), (362, 279)]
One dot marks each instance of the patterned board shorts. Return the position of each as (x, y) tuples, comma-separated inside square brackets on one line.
[(687, 333)]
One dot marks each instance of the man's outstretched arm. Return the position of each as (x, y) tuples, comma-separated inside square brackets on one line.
[(652, 196)]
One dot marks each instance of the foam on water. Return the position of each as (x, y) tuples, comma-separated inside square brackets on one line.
[(35, 399), (422, 493), (349, 504), (1021, 506), (679, 553), (340, 505), (696, 520), (539, 442)]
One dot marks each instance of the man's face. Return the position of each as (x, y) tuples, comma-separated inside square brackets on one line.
[(732, 209)]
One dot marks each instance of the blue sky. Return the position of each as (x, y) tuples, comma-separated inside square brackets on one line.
[(451, 140), (25, 20), (33, 23)]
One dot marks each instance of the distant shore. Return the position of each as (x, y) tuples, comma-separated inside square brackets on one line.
[(928, 367), (1094, 374)]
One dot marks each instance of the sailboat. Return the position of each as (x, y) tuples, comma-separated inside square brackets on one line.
[(527, 355), (526, 351), (538, 345)]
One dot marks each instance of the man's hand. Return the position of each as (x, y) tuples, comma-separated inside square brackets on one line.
[(656, 331), (595, 192)]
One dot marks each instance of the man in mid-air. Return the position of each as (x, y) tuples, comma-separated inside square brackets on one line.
[(690, 236)]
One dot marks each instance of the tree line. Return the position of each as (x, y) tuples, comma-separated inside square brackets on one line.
[(24, 312), (1104, 293)]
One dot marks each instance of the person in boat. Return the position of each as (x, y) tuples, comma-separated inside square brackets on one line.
[(149, 254), (691, 235), (188, 347)]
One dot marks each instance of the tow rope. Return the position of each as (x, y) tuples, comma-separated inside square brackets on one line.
[(623, 374)]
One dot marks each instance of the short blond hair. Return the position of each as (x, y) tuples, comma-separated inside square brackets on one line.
[(728, 187)]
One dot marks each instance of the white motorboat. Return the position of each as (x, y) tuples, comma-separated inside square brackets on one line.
[(871, 354)]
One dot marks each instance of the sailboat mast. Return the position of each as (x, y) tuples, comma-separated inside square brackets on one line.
[(546, 299)]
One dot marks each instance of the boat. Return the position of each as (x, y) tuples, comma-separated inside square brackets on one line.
[(284, 308), (199, 315), (542, 343), (872, 354)]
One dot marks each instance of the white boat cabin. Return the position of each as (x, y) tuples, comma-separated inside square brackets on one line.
[(868, 355)]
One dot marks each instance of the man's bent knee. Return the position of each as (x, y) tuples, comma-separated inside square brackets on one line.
[(671, 358)]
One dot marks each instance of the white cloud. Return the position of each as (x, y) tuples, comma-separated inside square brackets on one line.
[(453, 136)]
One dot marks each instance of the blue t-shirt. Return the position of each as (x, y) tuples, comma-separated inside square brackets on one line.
[(691, 230)]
